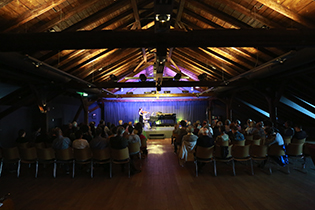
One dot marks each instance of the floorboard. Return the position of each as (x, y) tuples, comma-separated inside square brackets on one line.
[(162, 184)]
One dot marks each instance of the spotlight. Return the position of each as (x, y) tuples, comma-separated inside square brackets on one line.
[(143, 78), (177, 76), (113, 78), (202, 77)]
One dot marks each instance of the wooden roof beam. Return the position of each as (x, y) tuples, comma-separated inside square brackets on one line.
[(136, 39)]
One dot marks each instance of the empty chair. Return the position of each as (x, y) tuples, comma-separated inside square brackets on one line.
[(47, 156), (295, 151), (102, 156), (83, 157), (29, 156), (205, 155), (10, 155), (120, 156), (65, 156), (224, 154), (241, 153)]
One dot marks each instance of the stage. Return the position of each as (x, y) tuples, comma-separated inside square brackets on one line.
[(159, 132)]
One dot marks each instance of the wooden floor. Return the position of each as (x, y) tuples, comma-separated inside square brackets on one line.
[(162, 184)]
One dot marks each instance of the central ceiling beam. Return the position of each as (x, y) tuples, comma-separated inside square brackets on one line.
[(136, 39), (166, 83)]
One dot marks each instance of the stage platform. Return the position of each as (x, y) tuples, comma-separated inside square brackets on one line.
[(159, 132)]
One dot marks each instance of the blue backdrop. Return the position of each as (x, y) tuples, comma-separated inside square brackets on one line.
[(128, 111)]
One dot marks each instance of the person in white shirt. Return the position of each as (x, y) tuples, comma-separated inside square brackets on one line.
[(80, 143)]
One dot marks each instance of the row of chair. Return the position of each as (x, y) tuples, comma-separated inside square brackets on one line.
[(68, 156), (249, 152)]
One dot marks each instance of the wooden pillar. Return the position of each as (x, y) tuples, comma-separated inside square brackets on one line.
[(85, 106), (102, 110), (44, 122), (272, 109)]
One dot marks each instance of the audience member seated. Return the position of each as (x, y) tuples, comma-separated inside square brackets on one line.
[(273, 137), (80, 143), (132, 137), (188, 143), (22, 141), (98, 142), (118, 141), (138, 131), (216, 131), (222, 137), (205, 140), (288, 130), (237, 123), (86, 132), (251, 128), (299, 133), (180, 132), (61, 142), (236, 135), (227, 124), (259, 131)]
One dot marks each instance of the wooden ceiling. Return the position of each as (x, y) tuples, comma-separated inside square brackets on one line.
[(80, 43)]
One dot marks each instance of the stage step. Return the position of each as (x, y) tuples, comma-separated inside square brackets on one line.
[(156, 136)]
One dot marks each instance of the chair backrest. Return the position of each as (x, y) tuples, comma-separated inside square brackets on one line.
[(287, 139), (262, 140), (295, 149), (64, 154), (82, 154), (224, 143), (223, 151), (259, 150), (239, 143), (134, 148), (28, 153), (45, 153), (294, 140), (204, 152), (40, 145), (276, 150), (11, 153), (249, 137), (240, 151), (23, 145), (120, 154), (101, 154)]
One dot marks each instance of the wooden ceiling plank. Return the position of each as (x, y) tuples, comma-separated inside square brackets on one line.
[(203, 19), (96, 16), (82, 6), (106, 62), (250, 13), (4, 2), (288, 13), (33, 14), (221, 15), (213, 63), (132, 74), (209, 69)]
